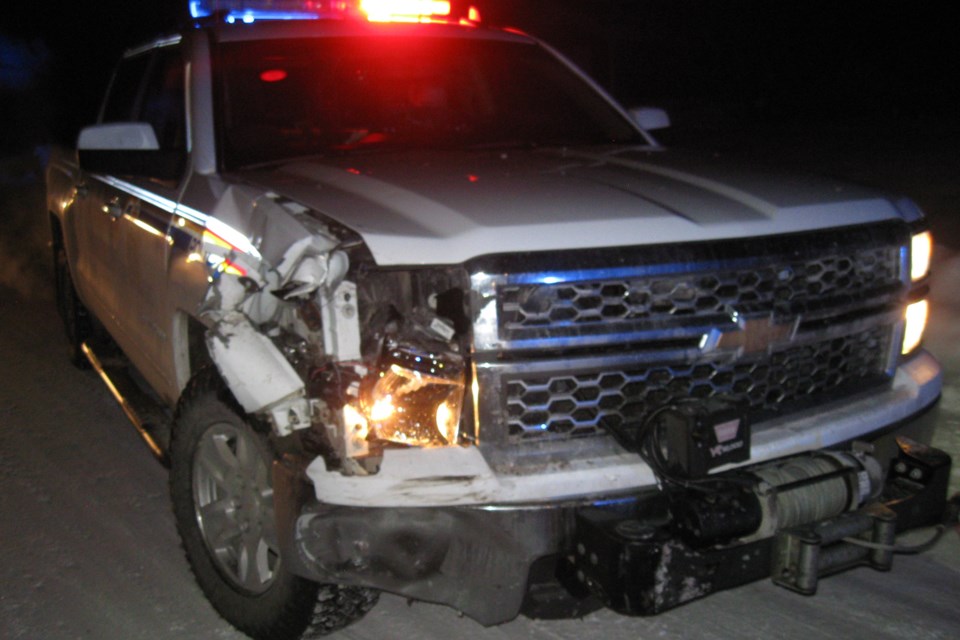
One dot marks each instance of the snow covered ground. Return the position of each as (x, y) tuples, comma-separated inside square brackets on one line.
[(88, 547)]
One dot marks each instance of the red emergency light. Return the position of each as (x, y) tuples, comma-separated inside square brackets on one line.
[(417, 11), (404, 10), (273, 75)]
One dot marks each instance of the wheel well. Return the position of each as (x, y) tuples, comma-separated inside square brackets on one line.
[(190, 348), (56, 233), (199, 357), (56, 244)]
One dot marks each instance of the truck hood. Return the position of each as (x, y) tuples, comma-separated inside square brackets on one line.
[(438, 207)]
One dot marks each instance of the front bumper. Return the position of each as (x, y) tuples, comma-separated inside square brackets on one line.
[(455, 476), (478, 558), (474, 560)]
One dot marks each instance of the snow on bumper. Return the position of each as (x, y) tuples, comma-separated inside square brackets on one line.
[(457, 476), (460, 476)]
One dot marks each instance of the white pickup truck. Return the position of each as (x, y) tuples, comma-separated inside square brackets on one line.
[(409, 304)]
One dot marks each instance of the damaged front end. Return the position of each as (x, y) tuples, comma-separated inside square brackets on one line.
[(365, 376), (349, 358)]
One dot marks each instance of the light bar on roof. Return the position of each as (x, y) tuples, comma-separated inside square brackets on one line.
[(249, 11), (252, 10)]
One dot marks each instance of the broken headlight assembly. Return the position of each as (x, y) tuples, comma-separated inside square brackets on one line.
[(404, 379), (413, 395), (416, 396)]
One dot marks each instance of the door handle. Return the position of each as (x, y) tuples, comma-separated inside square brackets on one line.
[(112, 208)]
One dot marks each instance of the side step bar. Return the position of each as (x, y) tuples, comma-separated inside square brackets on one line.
[(148, 416)]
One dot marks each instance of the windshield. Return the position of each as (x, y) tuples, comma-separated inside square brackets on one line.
[(292, 98)]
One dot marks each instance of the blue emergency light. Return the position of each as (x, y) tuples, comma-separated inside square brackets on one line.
[(251, 10)]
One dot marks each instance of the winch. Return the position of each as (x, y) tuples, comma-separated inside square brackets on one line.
[(767, 499), (795, 519)]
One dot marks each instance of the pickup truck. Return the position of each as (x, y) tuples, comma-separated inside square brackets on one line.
[(408, 303)]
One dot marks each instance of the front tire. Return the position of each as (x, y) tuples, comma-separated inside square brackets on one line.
[(220, 483)]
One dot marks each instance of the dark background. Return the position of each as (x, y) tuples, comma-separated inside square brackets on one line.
[(713, 64), (861, 90)]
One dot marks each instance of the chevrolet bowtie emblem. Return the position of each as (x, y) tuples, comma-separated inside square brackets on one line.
[(753, 334)]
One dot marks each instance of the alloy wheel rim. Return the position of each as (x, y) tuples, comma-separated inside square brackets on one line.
[(233, 501)]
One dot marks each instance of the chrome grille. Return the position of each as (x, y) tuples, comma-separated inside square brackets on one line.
[(588, 403), (786, 288), (577, 344)]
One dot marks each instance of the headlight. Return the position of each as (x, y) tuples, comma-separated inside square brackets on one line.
[(914, 325), (411, 387), (915, 317), (921, 251), (417, 396)]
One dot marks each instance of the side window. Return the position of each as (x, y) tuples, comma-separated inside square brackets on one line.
[(123, 100), (163, 100)]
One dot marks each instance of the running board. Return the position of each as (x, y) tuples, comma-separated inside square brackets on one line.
[(147, 415)]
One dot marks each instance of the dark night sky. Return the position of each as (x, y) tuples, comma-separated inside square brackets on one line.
[(708, 62)]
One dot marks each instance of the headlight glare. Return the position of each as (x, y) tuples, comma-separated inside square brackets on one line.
[(914, 325), (413, 407), (921, 252)]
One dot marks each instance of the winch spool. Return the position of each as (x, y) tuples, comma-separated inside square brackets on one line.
[(813, 488), (759, 503)]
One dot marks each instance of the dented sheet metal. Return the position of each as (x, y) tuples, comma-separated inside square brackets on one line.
[(255, 295), (259, 376)]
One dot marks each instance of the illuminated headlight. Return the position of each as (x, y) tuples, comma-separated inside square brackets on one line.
[(921, 251), (417, 397), (914, 325), (915, 317)]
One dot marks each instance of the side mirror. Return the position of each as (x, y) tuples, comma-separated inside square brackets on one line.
[(118, 136), (127, 148), (650, 118)]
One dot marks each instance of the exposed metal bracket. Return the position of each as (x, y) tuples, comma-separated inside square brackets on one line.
[(802, 555)]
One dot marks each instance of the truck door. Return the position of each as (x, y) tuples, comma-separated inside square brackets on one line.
[(147, 204), (136, 210), (148, 242), (99, 208)]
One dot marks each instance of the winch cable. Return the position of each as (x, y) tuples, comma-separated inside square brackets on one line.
[(951, 521), (796, 505), (899, 548)]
